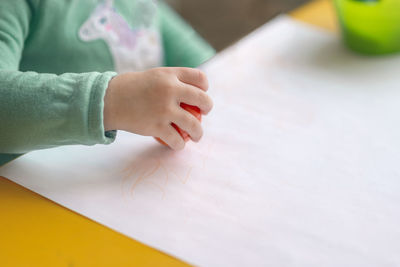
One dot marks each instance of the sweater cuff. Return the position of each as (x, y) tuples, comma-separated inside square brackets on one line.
[(96, 110)]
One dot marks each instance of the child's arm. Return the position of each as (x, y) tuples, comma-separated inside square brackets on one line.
[(183, 46), (44, 110)]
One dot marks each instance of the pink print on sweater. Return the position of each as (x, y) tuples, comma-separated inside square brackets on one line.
[(133, 49)]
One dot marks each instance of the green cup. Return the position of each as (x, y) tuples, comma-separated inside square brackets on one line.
[(370, 26)]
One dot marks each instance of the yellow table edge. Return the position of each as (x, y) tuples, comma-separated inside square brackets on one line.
[(38, 232)]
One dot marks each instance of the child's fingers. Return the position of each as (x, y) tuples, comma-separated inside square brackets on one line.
[(189, 123), (192, 96), (172, 138), (193, 77)]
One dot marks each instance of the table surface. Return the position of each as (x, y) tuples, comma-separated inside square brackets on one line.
[(36, 231)]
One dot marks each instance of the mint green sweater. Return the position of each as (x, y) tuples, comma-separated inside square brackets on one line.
[(53, 80)]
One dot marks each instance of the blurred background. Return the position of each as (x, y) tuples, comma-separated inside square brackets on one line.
[(222, 22)]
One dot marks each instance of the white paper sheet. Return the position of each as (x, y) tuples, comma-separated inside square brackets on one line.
[(299, 165)]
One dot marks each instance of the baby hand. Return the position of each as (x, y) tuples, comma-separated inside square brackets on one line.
[(147, 102)]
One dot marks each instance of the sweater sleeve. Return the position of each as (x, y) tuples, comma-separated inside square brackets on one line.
[(183, 46), (40, 111)]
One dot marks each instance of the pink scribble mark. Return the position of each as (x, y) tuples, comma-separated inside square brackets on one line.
[(160, 167)]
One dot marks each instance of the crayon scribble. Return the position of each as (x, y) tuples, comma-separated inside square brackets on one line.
[(160, 167)]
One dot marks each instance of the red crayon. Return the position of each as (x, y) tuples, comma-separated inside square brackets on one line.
[(195, 111)]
